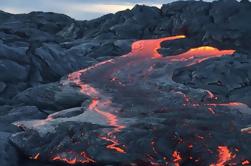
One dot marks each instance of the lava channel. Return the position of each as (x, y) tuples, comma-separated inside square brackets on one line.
[(144, 49)]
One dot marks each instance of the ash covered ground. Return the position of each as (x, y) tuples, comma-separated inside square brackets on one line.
[(146, 86)]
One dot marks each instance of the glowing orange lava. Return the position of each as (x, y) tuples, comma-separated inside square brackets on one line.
[(83, 158), (211, 110), (176, 158), (149, 48), (36, 157), (231, 104), (68, 161), (102, 104), (245, 162), (202, 53), (113, 121), (224, 155), (97, 100), (246, 130), (84, 88)]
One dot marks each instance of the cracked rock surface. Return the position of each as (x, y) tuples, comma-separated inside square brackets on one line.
[(157, 107)]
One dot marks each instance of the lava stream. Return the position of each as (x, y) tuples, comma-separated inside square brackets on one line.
[(176, 158), (143, 48), (82, 158), (224, 155), (200, 54), (143, 52), (149, 48), (113, 121), (99, 99)]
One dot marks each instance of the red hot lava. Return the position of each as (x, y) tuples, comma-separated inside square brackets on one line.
[(150, 48), (103, 106), (113, 121), (176, 158), (82, 158), (36, 157), (224, 155), (100, 100), (245, 162), (201, 54)]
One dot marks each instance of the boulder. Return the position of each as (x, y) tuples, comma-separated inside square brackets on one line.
[(51, 96), (14, 52), (12, 71), (228, 77), (2, 86), (8, 154), (10, 115)]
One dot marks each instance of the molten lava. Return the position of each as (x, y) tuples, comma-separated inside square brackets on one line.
[(82, 158), (224, 155), (245, 162), (113, 121), (142, 51), (94, 106), (68, 161), (201, 54), (176, 158), (36, 157), (149, 48), (231, 104)]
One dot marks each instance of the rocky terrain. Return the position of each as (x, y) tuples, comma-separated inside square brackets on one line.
[(98, 93)]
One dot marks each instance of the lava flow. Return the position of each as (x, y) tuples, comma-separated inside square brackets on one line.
[(150, 47), (224, 155), (176, 158), (200, 54), (100, 100), (124, 94), (145, 50), (82, 158), (113, 121)]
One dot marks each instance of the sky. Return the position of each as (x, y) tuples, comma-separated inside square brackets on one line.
[(78, 9)]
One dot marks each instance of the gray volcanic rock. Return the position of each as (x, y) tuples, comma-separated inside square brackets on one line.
[(179, 46), (10, 115), (51, 96), (8, 154), (141, 26), (217, 23), (165, 106), (15, 52), (53, 45), (24, 113), (2, 86), (230, 79), (12, 71), (59, 62), (70, 31), (136, 113)]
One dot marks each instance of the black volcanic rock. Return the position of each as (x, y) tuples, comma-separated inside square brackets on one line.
[(16, 114), (2, 86), (8, 154), (136, 113), (51, 96), (38, 50), (230, 79), (13, 71), (217, 23), (53, 45)]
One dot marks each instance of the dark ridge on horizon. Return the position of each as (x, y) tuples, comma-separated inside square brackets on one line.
[(242, 1)]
